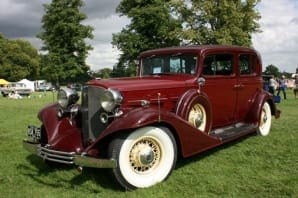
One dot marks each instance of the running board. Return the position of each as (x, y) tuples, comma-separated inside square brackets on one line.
[(233, 132)]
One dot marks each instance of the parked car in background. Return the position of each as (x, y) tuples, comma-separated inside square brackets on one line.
[(185, 100), (45, 87)]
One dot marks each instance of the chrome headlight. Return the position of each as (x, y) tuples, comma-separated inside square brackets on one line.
[(67, 97), (110, 99)]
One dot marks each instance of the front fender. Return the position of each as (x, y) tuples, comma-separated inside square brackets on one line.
[(60, 131), (190, 139)]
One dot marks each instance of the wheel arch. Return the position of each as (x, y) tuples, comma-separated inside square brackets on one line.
[(103, 143), (189, 140), (190, 97), (255, 112)]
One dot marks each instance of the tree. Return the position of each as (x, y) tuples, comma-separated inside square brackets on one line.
[(64, 40), (102, 73), (163, 23), (272, 70), (18, 60), (218, 21), (152, 26)]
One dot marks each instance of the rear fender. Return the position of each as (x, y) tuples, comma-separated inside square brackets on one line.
[(255, 112)]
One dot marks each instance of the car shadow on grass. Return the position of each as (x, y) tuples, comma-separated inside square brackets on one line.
[(58, 175), (102, 177)]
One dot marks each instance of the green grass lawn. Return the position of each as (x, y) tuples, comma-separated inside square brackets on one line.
[(252, 167)]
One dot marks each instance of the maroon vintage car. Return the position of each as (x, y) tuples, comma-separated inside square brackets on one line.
[(184, 100)]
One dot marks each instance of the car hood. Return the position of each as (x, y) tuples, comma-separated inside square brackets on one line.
[(144, 83)]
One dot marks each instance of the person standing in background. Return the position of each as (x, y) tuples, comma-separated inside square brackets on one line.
[(272, 85), (282, 87)]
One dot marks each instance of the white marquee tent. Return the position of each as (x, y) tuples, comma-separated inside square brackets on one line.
[(28, 84)]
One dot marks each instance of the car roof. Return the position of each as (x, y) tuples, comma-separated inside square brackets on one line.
[(197, 49)]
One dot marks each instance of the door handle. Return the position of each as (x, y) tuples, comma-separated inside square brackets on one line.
[(238, 86)]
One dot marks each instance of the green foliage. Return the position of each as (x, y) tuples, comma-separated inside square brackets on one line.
[(102, 73), (252, 167), (218, 22), (18, 60), (272, 70), (163, 23), (64, 40), (152, 26)]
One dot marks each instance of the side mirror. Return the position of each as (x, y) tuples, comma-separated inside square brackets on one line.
[(201, 82)]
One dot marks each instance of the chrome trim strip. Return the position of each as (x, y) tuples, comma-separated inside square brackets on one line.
[(67, 157), (49, 155), (86, 161), (43, 149), (30, 146)]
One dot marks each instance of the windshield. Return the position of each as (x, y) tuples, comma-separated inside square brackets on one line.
[(169, 64)]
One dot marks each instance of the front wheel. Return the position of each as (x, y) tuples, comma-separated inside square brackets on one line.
[(144, 157), (265, 120)]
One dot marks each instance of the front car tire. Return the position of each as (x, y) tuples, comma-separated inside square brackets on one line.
[(144, 157)]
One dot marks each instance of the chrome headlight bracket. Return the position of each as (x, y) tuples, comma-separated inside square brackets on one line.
[(67, 97), (110, 99)]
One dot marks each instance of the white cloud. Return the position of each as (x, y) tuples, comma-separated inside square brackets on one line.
[(103, 54), (278, 42)]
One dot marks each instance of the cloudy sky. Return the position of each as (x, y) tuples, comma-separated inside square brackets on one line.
[(277, 43)]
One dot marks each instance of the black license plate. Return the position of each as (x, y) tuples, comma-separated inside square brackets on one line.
[(34, 133)]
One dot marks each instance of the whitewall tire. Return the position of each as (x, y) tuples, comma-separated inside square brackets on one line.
[(144, 157), (265, 120)]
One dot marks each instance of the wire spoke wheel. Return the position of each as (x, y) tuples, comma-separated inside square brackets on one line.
[(144, 157)]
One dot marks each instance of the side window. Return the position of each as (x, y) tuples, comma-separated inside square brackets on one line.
[(247, 64), (184, 64), (176, 64), (218, 64)]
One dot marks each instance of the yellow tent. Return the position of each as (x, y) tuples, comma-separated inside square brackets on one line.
[(3, 82)]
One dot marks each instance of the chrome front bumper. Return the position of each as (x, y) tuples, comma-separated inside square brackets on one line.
[(67, 157)]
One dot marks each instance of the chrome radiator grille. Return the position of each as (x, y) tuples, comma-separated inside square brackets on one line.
[(91, 109)]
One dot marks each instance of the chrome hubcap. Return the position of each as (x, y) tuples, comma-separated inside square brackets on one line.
[(145, 155), (196, 116), (264, 118)]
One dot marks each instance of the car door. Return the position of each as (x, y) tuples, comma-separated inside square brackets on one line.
[(220, 75), (249, 83)]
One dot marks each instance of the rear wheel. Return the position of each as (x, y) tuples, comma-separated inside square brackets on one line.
[(144, 157), (265, 120)]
